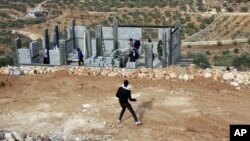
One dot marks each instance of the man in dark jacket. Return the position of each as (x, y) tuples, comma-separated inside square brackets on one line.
[(124, 93), (80, 56)]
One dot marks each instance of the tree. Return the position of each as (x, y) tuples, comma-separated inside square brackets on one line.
[(244, 9), (219, 43), (230, 9)]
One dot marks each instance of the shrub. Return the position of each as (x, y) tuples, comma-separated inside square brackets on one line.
[(242, 62), (248, 41), (236, 50), (8, 60), (230, 9), (226, 52), (208, 52), (235, 42), (225, 60), (244, 9), (219, 43), (200, 59)]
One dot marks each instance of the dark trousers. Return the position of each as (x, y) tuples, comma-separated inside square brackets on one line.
[(80, 61), (45, 60), (127, 105)]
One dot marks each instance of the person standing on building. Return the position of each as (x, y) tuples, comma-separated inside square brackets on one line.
[(131, 43), (124, 94), (159, 49), (153, 55), (45, 56), (80, 57)]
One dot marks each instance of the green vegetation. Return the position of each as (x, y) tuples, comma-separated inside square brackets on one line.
[(236, 50), (244, 9), (7, 53), (225, 60), (226, 52), (200, 59), (21, 23), (242, 62), (219, 43)]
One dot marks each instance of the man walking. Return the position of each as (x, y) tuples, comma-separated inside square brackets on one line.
[(124, 93)]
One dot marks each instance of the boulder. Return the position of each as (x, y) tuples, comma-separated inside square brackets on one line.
[(207, 75), (191, 77), (17, 136), (228, 76), (5, 71), (185, 77), (172, 75), (8, 136), (235, 84), (240, 78)]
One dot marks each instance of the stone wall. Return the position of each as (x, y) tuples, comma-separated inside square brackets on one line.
[(235, 78)]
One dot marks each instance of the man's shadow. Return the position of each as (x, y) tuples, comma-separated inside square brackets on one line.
[(142, 108)]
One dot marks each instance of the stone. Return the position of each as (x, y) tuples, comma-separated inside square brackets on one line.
[(185, 77), (8, 136), (86, 106), (207, 75), (5, 71), (237, 88), (228, 76), (191, 77), (234, 84), (180, 76), (240, 78), (17, 72), (17, 136), (172, 75)]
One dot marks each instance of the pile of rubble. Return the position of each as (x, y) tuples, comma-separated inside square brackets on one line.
[(235, 78), (14, 136)]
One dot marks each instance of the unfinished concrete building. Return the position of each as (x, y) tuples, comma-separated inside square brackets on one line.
[(109, 47)]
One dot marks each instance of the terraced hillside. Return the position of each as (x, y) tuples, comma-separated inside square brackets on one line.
[(225, 27)]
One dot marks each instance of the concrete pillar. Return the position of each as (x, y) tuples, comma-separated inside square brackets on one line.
[(46, 40), (85, 49), (73, 33), (115, 34), (149, 55), (99, 51), (18, 44), (89, 44), (164, 50), (63, 52), (169, 46), (57, 36)]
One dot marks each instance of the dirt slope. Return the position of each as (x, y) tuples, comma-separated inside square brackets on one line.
[(69, 106)]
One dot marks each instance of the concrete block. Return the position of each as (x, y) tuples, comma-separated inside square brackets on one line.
[(55, 57), (109, 60), (131, 65), (117, 63), (24, 56)]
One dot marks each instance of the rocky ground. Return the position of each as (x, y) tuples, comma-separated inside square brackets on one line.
[(76, 103)]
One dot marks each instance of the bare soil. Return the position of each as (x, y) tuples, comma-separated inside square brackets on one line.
[(70, 106)]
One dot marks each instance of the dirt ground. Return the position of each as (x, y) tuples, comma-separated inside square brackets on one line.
[(68, 106)]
